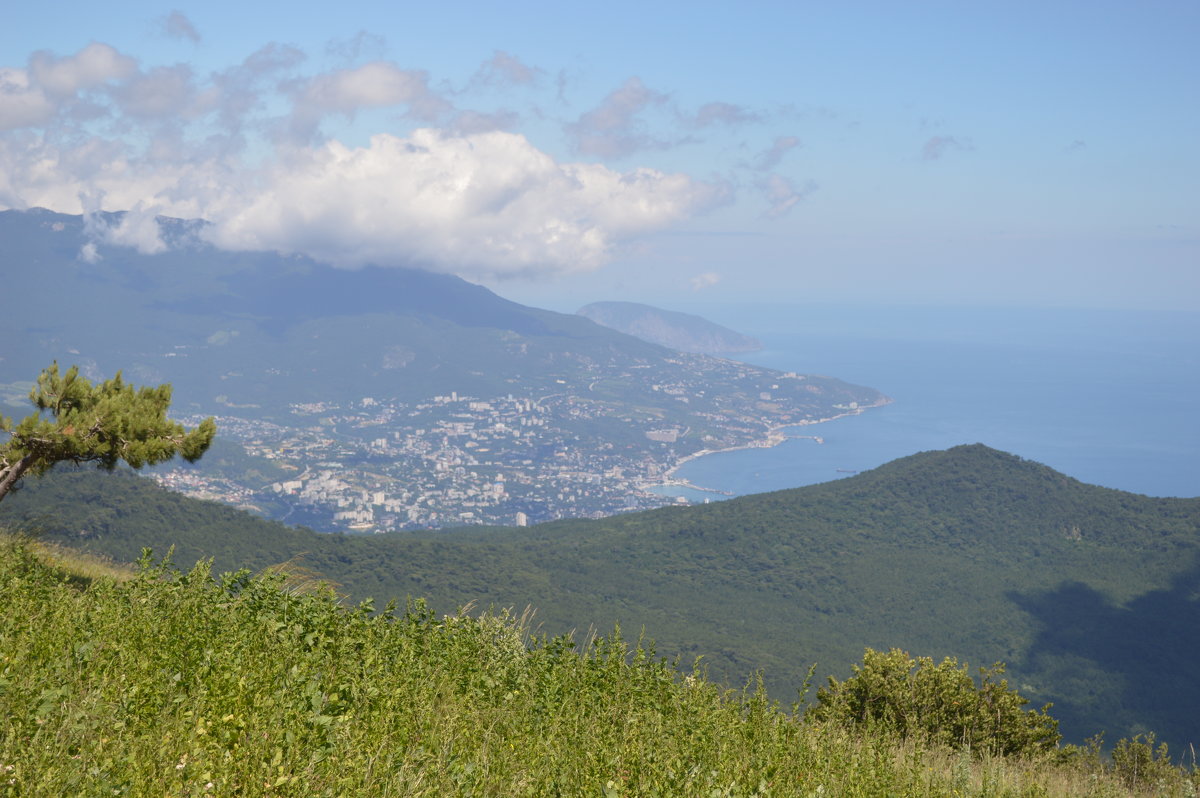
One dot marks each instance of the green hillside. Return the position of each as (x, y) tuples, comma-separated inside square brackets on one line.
[(184, 683), (969, 552)]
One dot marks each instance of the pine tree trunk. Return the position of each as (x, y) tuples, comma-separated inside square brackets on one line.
[(10, 474)]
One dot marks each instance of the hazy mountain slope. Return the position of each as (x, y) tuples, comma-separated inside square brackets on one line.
[(968, 552), (244, 314), (416, 387), (683, 331), (268, 329), (264, 331)]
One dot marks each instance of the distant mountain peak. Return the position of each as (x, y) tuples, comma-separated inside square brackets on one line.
[(681, 331)]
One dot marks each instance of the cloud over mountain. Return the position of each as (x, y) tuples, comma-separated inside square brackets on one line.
[(250, 149), (488, 204)]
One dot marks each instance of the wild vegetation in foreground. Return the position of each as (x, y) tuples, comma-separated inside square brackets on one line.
[(968, 552), (172, 683)]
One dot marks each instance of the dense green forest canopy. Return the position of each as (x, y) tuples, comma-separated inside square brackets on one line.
[(969, 552)]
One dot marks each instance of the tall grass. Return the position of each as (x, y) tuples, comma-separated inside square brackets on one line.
[(80, 568), (190, 684)]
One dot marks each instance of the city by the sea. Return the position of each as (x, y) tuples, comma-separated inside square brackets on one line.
[(1107, 397)]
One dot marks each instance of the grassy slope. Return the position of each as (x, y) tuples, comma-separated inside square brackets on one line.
[(968, 552), (179, 684)]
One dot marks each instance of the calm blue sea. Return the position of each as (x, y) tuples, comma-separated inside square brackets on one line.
[(1108, 397)]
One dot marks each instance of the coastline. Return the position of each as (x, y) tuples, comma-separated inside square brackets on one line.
[(774, 436)]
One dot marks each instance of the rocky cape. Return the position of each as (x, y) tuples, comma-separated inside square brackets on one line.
[(684, 332)]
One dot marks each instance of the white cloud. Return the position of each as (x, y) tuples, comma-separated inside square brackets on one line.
[(92, 131), (50, 87), (782, 194), (613, 128), (94, 228), (488, 204), (721, 113), (89, 253), (266, 60), (937, 146), (504, 68), (178, 26), (476, 205), (92, 66), (237, 92), (771, 157), (361, 45), (378, 84), (21, 105), (467, 122), (161, 92), (138, 229), (706, 280), (49, 174)]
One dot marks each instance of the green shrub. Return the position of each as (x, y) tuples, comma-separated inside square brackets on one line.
[(1139, 764), (915, 698)]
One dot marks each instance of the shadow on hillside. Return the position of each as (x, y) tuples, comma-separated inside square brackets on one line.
[(1136, 663)]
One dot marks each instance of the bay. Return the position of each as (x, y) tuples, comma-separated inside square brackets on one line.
[(1107, 397)]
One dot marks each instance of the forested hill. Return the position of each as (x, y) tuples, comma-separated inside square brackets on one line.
[(968, 552)]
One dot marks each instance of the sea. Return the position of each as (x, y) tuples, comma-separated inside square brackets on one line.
[(1110, 397)]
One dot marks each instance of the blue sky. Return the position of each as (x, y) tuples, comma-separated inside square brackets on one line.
[(1012, 154)]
